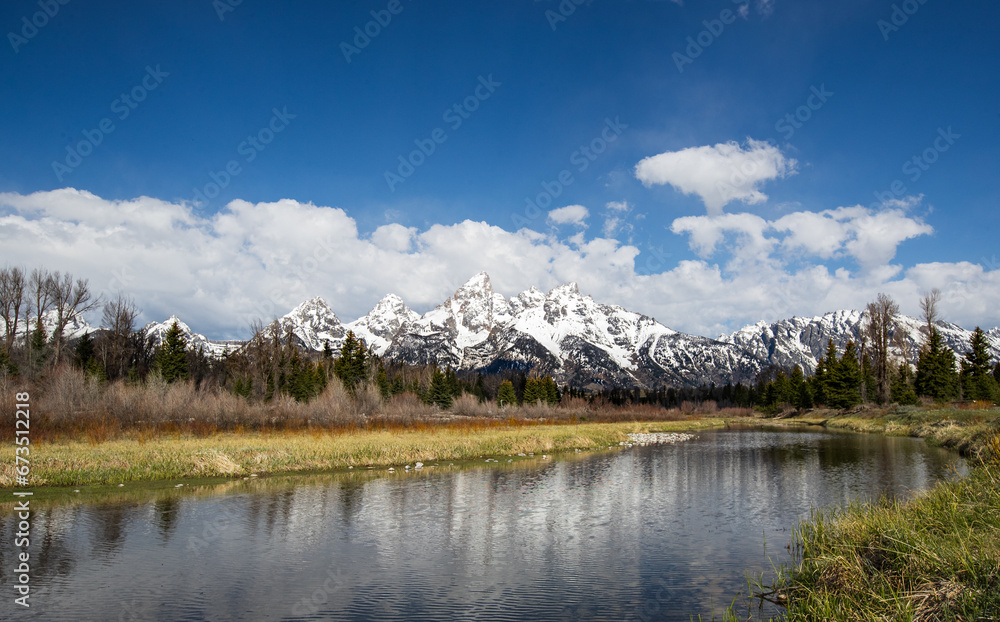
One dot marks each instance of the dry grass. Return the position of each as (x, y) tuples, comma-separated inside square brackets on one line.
[(934, 558), (71, 405), (126, 459)]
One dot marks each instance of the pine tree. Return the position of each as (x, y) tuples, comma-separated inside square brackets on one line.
[(172, 357), (6, 366), (936, 375), (801, 395), (382, 379), (352, 366), (844, 384), (479, 389), (978, 382), (551, 390), (533, 391), (869, 384), (902, 386), (84, 350), (452, 384), (782, 390), (440, 391), (243, 387), (398, 386), (506, 396), (821, 378)]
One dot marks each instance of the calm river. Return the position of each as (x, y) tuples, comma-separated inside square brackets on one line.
[(647, 533)]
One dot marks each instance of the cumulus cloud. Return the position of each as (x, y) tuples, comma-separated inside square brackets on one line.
[(259, 260), (718, 174), (869, 237), (570, 215)]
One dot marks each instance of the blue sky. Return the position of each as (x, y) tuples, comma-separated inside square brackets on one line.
[(662, 124)]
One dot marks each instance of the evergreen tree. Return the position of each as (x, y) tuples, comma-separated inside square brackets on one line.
[(978, 382), (533, 392), (821, 378), (782, 390), (84, 350), (398, 386), (382, 379), (936, 375), (844, 383), (352, 365), (869, 384), (801, 395), (551, 390), (451, 383), (902, 386), (506, 396), (440, 391), (243, 387), (6, 365), (172, 357), (479, 389)]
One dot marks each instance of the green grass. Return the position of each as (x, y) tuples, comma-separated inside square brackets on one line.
[(936, 557), (137, 459)]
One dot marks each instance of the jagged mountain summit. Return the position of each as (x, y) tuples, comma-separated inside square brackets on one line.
[(565, 334), (380, 325), (802, 341), (315, 324), (197, 341), (579, 341)]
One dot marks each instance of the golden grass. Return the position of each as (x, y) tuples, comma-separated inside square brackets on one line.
[(138, 457)]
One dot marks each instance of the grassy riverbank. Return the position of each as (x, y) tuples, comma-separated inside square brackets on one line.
[(228, 454), (934, 558)]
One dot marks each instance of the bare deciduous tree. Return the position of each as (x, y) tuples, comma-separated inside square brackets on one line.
[(116, 344), (70, 300), (928, 304), (13, 286), (880, 324), (40, 288)]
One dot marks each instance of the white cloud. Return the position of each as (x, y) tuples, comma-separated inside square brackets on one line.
[(718, 174), (570, 215), (258, 260), (869, 237), (394, 237), (615, 222)]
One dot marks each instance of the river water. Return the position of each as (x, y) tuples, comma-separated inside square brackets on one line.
[(643, 533)]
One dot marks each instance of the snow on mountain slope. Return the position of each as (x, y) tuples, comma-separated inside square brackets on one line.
[(76, 327), (315, 324), (577, 340), (802, 341), (378, 327), (442, 334), (195, 341)]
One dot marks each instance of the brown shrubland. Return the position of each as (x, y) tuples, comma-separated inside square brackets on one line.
[(68, 403)]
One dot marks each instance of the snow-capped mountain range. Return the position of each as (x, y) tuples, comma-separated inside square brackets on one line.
[(576, 339)]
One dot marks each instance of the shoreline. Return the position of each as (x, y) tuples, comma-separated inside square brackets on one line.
[(234, 455), (936, 556)]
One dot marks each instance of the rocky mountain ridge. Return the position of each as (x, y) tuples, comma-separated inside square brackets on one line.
[(576, 339)]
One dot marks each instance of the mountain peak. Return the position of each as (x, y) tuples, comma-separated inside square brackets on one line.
[(566, 289), (477, 285), (316, 302)]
